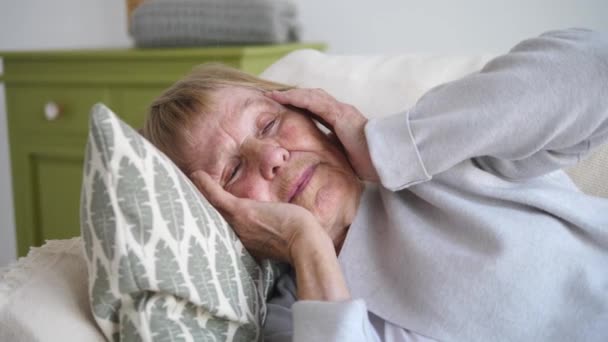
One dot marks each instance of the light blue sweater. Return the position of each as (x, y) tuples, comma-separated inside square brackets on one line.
[(475, 234)]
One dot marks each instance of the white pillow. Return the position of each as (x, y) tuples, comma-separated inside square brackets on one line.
[(377, 85), (384, 85), (43, 297)]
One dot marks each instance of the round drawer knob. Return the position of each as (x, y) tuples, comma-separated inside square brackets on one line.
[(52, 111)]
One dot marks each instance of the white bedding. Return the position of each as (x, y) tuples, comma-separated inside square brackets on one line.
[(43, 297)]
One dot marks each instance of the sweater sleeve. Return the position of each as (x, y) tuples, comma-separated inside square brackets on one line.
[(540, 107), (332, 321), (290, 320)]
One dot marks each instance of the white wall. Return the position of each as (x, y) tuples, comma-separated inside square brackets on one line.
[(58, 24), (348, 26), (441, 26)]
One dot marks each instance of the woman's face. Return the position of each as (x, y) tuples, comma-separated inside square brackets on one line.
[(257, 148)]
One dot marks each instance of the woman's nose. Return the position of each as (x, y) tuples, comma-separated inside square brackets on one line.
[(270, 158)]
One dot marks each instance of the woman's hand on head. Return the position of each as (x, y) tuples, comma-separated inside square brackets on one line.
[(344, 120), (267, 229)]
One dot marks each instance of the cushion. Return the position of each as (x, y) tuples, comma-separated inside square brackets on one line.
[(43, 296), (158, 23), (377, 85), (387, 84), (162, 263)]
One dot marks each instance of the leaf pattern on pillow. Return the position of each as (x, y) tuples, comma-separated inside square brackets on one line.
[(134, 201), (198, 267), (248, 273), (272, 271), (251, 266), (140, 299), (85, 228), (104, 302), (131, 274), (135, 140), (87, 159), (168, 274), (168, 201), (218, 327), (102, 216), (162, 328), (227, 276), (196, 208), (159, 255), (218, 221), (126, 283), (103, 135), (190, 320), (129, 331), (139, 271)]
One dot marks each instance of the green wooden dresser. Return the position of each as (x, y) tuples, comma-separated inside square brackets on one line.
[(49, 95)]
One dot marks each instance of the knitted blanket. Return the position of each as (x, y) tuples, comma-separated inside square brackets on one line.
[(160, 23)]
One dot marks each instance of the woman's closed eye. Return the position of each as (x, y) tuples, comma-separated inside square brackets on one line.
[(233, 173), (268, 127)]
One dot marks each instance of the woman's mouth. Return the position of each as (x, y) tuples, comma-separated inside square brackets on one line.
[(302, 182)]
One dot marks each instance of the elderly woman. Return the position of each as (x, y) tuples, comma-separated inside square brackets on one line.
[(450, 221)]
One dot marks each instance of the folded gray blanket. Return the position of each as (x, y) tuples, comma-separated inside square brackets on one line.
[(157, 23)]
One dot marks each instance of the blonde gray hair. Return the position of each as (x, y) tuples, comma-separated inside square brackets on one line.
[(176, 109)]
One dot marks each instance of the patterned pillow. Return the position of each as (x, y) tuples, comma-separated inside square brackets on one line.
[(163, 264)]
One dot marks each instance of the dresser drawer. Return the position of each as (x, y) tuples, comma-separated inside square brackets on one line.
[(51, 111)]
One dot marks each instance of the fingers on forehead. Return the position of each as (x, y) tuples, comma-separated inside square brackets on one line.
[(320, 102), (317, 101)]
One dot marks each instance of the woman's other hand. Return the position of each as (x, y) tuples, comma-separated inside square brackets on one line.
[(267, 229), (344, 120)]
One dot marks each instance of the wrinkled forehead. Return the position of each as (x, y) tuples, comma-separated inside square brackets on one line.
[(231, 117), (225, 109)]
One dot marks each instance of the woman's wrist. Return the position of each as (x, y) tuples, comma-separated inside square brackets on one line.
[(311, 238), (318, 272)]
